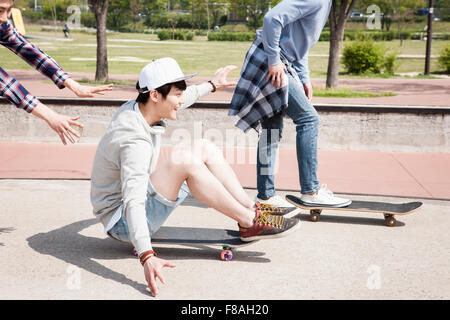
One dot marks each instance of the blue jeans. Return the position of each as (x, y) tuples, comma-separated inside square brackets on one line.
[(306, 120)]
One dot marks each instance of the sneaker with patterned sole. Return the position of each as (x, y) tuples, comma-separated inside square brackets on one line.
[(267, 226)]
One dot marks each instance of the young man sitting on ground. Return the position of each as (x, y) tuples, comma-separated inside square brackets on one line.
[(132, 198)]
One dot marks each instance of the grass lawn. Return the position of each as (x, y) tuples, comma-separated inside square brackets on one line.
[(129, 52), (343, 92)]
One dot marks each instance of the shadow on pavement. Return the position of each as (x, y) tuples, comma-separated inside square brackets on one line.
[(333, 218), (5, 230), (68, 245)]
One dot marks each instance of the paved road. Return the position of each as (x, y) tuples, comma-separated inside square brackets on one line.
[(52, 248)]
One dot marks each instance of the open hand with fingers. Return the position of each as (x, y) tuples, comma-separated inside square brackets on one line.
[(152, 270), (62, 125), (220, 80), (83, 91)]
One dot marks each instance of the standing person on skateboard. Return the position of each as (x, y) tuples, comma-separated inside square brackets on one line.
[(12, 90), (132, 197), (275, 81)]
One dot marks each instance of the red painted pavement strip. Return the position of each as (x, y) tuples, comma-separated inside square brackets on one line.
[(431, 170), (424, 175), (45, 160)]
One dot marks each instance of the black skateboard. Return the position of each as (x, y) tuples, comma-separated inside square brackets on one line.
[(228, 240), (387, 209)]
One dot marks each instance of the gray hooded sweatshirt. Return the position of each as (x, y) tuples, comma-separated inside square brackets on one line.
[(125, 158)]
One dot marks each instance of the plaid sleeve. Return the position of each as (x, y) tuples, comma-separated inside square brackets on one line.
[(12, 90), (14, 41)]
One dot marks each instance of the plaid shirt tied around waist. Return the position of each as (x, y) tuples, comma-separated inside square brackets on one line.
[(254, 98), (10, 88)]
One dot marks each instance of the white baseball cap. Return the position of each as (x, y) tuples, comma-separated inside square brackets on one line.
[(160, 72)]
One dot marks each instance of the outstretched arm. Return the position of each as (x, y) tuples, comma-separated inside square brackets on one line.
[(45, 64), (83, 91), (218, 81), (12, 90)]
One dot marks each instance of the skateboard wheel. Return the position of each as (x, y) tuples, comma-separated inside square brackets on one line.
[(314, 215), (226, 255), (391, 221)]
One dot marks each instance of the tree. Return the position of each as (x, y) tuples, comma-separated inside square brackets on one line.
[(402, 10), (172, 20), (255, 10), (339, 14), (100, 8), (136, 7), (118, 13)]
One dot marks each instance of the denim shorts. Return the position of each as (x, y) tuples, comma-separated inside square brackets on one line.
[(157, 209)]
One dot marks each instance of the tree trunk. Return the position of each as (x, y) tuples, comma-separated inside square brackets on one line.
[(337, 19), (100, 10), (333, 59)]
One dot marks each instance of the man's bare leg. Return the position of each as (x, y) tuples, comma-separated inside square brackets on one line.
[(205, 186), (220, 168)]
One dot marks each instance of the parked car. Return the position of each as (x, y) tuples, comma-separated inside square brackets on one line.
[(356, 14)]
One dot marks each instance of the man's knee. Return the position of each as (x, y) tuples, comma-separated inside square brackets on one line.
[(308, 120), (183, 157), (207, 150), (199, 151)]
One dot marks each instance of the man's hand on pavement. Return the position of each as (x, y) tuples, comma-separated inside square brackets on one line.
[(152, 270)]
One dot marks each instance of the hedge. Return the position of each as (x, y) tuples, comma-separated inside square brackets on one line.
[(444, 58), (177, 35), (231, 36), (382, 35)]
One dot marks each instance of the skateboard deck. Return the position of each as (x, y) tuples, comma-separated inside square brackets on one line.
[(227, 239), (387, 209)]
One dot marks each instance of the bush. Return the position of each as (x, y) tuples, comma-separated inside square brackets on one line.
[(390, 64), (358, 35), (363, 57), (444, 58), (88, 19), (231, 36), (190, 36), (164, 35), (178, 35), (324, 36)]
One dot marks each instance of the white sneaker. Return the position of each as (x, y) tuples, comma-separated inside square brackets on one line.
[(279, 206), (324, 198), (276, 201)]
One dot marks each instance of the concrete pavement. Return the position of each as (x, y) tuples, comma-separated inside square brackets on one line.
[(52, 248)]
